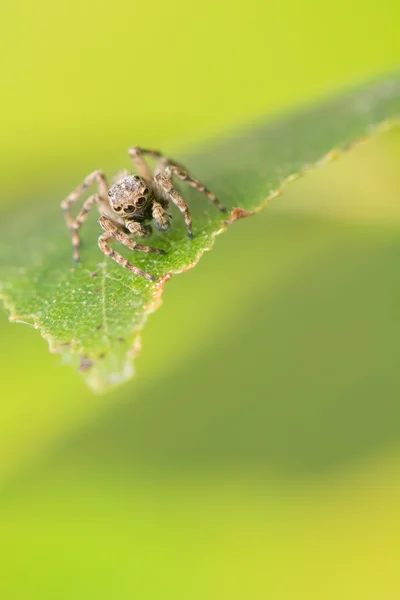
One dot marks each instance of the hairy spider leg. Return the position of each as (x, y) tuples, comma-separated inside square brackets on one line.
[(113, 232), (66, 205)]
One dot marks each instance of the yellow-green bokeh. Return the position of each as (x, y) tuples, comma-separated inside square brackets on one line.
[(256, 453), (83, 81)]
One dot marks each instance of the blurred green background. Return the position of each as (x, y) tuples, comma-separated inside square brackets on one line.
[(256, 453)]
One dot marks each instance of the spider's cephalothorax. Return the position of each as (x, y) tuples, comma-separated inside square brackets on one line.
[(131, 198), (131, 203)]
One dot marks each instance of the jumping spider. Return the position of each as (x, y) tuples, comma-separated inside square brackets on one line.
[(130, 203)]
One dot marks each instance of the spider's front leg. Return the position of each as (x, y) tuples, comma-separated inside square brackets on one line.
[(114, 232), (66, 205)]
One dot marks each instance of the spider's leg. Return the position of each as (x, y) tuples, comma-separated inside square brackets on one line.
[(168, 189), (117, 232), (96, 176), (66, 205), (161, 166), (172, 169), (141, 165), (105, 247), (78, 222), (169, 167)]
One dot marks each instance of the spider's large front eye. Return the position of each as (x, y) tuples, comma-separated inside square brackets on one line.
[(140, 201), (129, 208)]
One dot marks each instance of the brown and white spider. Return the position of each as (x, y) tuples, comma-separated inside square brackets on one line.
[(129, 204)]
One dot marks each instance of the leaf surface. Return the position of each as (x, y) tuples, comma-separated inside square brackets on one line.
[(93, 313)]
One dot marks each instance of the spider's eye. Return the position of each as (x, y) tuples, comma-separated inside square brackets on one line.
[(140, 201), (145, 191), (109, 192), (129, 208), (117, 208), (136, 178)]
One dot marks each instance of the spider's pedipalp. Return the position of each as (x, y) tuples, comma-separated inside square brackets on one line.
[(161, 217)]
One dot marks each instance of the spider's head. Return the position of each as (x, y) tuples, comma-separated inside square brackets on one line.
[(130, 197)]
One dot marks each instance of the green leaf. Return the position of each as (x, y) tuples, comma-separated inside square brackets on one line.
[(93, 313)]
